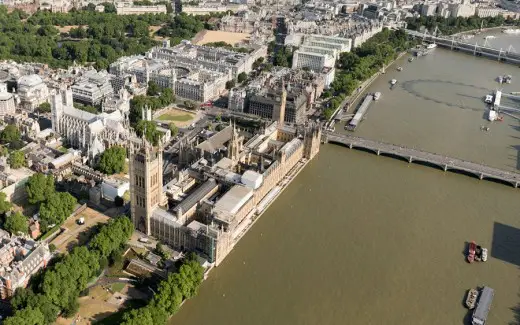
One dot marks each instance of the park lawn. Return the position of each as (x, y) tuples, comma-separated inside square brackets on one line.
[(176, 118), (116, 287)]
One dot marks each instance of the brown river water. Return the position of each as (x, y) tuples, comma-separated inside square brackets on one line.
[(362, 239)]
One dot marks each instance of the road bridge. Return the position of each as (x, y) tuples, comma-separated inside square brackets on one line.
[(418, 156), (453, 43)]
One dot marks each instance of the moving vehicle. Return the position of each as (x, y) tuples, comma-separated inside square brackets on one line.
[(143, 239), (81, 221)]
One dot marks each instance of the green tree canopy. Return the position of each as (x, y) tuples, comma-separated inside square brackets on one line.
[(112, 160), (10, 134), (149, 129), (242, 77), (4, 204), (39, 188), (44, 108), (57, 208), (230, 84), (112, 236), (17, 159), (26, 317), (173, 129), (153, 88), (16, 223)]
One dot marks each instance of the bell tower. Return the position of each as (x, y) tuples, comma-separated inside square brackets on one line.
[(145, 182)]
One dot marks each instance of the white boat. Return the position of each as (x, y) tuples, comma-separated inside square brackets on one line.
[(500, 79), (493, 115), (489, 99), (511, 31), (484, 254), (431, 46), (410, 59), (377, 95), (393, 81), (508, 78), (490, 37), (400, 69)]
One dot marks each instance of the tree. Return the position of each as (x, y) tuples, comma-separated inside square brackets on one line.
[(16, 223), (4, 204), (4, 152), (112, 160), (230, 84), (39, 188), (10, 134), (149, 129), (44, 108), (27, 316), (242, 77), (57, 208), (173, 129), (189, 104), (153, 88), (17, 159), (112, 236), (126, 196)]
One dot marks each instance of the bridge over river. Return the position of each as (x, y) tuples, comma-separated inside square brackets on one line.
[(450, 42), (423, 157)]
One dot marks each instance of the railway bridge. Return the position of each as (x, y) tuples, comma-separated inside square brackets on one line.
[(423, 157)]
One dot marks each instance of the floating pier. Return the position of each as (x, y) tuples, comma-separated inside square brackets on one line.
[(353, 124)]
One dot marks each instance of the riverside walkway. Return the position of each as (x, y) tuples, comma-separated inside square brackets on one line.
[(419, 156)]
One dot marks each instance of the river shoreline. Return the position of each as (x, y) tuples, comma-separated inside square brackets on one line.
[(354, 97)]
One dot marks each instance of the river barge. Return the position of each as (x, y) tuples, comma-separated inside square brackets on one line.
[(353, 124), (471, 251), (480, 313)]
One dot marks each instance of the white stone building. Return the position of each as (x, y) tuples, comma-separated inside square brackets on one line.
[(7, 105), (32, 91), (127, 8)]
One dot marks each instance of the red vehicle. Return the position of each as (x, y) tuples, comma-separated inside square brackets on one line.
[(207, 104), (471, 251)]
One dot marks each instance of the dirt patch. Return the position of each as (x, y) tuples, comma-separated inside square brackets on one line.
[(210, 36), (74, 233), (66, 29)]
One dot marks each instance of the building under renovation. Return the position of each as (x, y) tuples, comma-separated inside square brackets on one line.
[(218, 187)]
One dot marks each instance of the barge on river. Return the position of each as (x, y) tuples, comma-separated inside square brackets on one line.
[(480, 313), (353, 124)]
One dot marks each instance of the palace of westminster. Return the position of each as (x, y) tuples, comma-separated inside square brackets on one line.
[(220, 185)]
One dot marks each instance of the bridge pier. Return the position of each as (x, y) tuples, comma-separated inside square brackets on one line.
[(445, 168), (481, 176), (378, 152), (350, 145), (516, 184), (410, 159)]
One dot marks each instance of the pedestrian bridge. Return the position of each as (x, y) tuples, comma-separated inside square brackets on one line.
[(422, 157)]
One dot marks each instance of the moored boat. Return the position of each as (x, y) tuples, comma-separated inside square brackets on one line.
[(377, 95), (471, 251), (471, 298), (484, 254), (393, 81), (511, 31), (399, 68), (410, 59)]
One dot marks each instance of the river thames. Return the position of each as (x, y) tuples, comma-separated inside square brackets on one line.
[(362, 239)]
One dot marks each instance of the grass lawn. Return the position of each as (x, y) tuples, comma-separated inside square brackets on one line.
[(116, 287), (176, 118)]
